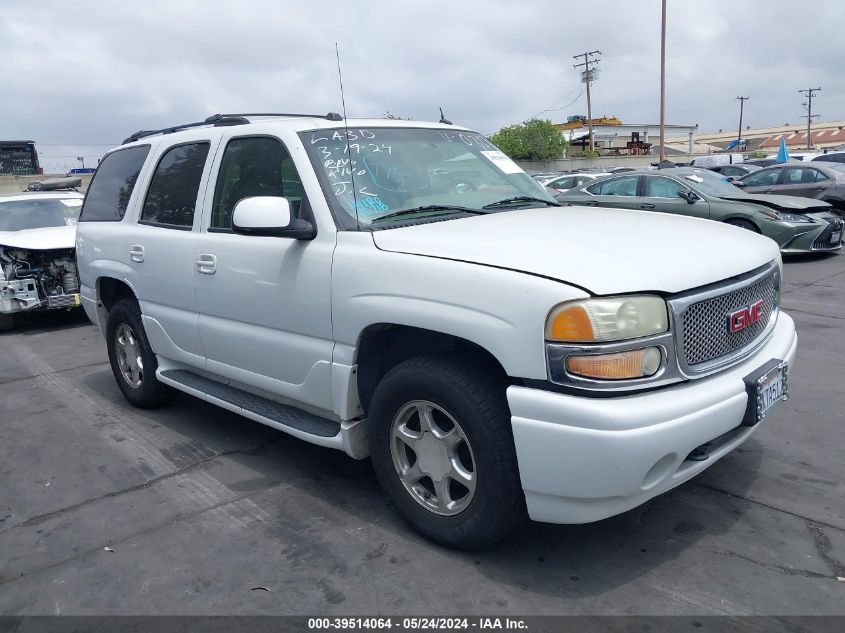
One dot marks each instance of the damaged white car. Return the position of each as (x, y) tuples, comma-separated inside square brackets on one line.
[(37, 262)]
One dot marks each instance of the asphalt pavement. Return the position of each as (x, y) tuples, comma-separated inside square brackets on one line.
[(107, 509)]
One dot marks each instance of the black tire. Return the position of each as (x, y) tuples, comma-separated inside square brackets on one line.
[(150, 393), (474, 396), (743, 224), (7, 322)]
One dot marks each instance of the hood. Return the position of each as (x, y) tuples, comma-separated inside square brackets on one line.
[(605, 251), (46, 238), (787, 203)]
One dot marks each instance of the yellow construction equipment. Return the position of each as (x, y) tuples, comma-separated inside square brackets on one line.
[(579, 123)]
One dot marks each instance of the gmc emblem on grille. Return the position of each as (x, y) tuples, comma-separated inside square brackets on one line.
[(746, 316)]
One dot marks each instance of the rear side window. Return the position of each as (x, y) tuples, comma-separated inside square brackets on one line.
[(172, 195), (626, 186), (802, 175), (110, 189), (563, 183)]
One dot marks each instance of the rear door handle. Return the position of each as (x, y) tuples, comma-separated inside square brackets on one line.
[(646, 205), (207, 263), (136, 253), (590, 203)]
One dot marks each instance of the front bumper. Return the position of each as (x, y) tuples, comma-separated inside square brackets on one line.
[(820, 238), (584, 459), (21, 295)]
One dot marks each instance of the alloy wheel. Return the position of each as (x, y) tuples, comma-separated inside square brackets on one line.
[(433, 458)]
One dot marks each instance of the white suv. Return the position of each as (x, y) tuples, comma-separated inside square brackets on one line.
[(404, 291)]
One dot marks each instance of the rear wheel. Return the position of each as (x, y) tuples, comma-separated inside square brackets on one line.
[(743, 224), (132, 359), (442, 448)]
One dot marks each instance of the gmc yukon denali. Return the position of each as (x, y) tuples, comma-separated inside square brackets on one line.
[(403, 291)]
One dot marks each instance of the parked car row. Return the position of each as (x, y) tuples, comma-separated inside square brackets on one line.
[(796, 224)]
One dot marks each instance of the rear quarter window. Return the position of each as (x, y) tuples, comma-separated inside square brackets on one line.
[(110, 189)]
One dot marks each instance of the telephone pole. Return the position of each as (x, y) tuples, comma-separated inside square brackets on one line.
[(587, 78), (742, 101), (809, 92), (663, 81)]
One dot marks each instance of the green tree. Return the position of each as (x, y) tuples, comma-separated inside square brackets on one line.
[(537, 139)]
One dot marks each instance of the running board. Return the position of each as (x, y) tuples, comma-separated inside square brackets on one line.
[(304, 425)]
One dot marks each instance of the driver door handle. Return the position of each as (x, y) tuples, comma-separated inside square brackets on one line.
[(206, 263), (136, 253), (590, 203), (646, 205)]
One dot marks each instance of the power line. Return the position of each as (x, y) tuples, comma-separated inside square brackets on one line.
[(587, 77), (563, 107)]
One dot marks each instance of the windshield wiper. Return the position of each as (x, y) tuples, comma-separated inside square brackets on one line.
[(516, 199), (428, 207)]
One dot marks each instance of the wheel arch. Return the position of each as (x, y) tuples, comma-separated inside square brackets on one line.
[(744, 218), (110, 290), (382, 346)]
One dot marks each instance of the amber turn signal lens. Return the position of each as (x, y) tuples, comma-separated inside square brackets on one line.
[(638, 363), (570, 324)]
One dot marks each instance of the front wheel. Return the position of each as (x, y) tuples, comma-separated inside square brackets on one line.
[(133, 362), (442, 448)]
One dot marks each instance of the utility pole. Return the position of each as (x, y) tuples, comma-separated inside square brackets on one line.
[(587, 75), (663, 82), (809, 92), (742, 101)]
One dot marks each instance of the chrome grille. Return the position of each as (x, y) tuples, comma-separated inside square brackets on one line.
[(824, 240), (703, 326)]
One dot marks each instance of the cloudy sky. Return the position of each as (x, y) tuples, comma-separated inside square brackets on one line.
[(80, 76)]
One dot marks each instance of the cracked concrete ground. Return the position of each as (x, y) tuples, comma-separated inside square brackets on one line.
[(198, 507)]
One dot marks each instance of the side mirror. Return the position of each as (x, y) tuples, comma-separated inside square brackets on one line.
[(269, 216), (689, 196)]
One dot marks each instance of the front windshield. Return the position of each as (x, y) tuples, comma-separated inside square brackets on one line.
[(711, 184), (382, 171), (37, 213)]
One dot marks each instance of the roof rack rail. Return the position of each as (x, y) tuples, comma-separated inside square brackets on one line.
[(331, 116), (220, 120)]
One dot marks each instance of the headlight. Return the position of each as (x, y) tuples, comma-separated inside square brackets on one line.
[(608, 319), (787, 217)]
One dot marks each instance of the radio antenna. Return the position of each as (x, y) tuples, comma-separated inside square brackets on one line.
[(346, 130)]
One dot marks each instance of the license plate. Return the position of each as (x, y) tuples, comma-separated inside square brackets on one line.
[(835, 238), (766, 388), (771, 389)]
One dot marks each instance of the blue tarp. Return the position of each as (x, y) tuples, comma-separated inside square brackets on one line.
[(783, 153)]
